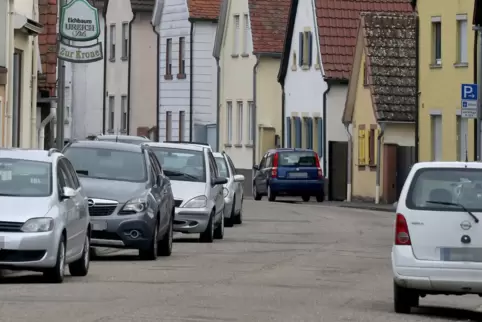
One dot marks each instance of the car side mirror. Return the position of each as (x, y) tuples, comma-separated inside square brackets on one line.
[(219, 181), (256, 167), (238, 178), (67, 193)]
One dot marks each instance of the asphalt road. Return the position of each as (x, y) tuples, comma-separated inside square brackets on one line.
[(286, 263)]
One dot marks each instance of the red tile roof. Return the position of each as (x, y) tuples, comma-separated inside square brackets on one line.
[(338, 22), (269, 19), (204, 9)]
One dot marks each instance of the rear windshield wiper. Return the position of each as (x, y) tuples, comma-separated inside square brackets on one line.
[(171, 173), (457, 205)]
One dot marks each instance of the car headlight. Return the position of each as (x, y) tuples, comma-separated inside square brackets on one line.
[(197, 202), (38, 225), (136, 205), (225, 192)]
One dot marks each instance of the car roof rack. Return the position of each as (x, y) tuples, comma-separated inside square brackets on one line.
[(52, 151)]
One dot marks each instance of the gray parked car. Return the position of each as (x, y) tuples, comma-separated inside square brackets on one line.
[(233, 190), (44, 222), (130, 199), (197, 188)]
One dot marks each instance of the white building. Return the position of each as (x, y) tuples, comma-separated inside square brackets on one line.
[(187, 71)]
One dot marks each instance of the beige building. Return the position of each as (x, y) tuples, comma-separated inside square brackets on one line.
[(19, 63)]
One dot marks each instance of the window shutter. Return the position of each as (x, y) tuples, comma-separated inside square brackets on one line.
[(368, 137), (309, 133), (288, 132), (361, 147), (300, 56), (320, 137), (310, 48)]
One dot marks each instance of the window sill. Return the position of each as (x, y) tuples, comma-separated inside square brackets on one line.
[(293, 68), (317, 66), (112, 60), (244, 55), (249, 145), (168, 77), (461, 65), (238, 145), (227, 145), (234, 55), (181, 76), (305, 67), (435, 66), (124, 58)]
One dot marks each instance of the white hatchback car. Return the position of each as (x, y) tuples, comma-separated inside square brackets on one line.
[(438, 233)]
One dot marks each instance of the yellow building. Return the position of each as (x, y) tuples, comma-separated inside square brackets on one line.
[(445, 62), (381, 105)]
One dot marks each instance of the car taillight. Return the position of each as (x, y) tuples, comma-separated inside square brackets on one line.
[(320, 172), (274, 170), (402, 236)]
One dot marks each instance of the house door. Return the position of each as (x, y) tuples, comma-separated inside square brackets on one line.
[(17, 97), (337, 170), (405, 161)]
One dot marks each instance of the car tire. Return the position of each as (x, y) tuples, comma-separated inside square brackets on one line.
[(81, 266), (150, 254), (208, 235), (164, 247), (305, 198), (320, 197), (404, 299), (271, 194), (219, 231), (229, 222), (238, 220), (256, 194), (56, 274)]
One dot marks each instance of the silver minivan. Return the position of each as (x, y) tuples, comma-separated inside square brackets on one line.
[(197, 188)]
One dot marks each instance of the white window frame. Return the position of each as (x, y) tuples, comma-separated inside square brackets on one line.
[(182, 125), (246, 32), (111, 117), (250, 121), (112, 33), (124, 121), (168, 57), (229, 121), (462, 40), (236, 27), (240, 119), (168, 126), (436, 21)]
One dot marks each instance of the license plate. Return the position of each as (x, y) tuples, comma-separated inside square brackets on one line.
[(99, 225), (297, 175), (461, 254)]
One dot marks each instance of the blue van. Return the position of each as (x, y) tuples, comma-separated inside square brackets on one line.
[(289, 172)]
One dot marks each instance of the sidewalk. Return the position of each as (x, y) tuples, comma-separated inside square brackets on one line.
[(366, 206)]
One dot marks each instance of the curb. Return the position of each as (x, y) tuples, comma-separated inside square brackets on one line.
[(366, 208)]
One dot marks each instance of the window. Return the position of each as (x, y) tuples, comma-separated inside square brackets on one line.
[(124, 113), (240, 122), (462, 138), (181, 164), (372, 147), (305, 49), (71, 172), (362, 142), (222, 166), (111, 113), (300, 159), (168, 74), (365, 74), (17, 97), (309, 132), (182, 58), (182, 125), (236, 36), (23, 178), (437, 40), (168, 126), (288, 132), (250, 122), (462, 46), (229, 121), (125, 40), (436, 127), (112, 42), (246, 33)]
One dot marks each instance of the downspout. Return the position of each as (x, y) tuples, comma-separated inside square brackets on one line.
[(218, 101), (33, 93), (41, 127), (417, 88), (325, 96), (129, 70), (191, 68), (158, 65), (283, 115), (104, 94), (379, 155), (476, 126), (350, 169), (255, 107)]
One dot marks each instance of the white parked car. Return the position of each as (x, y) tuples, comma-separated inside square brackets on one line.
[(438, 234)]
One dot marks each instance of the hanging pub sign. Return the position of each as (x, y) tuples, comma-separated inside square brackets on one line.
[(80, 54), (79, 21)]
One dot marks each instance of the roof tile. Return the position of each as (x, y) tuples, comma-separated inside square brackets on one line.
[(338, 22), (204, 9), (269, 19)]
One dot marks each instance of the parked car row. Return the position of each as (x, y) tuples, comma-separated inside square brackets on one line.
[(58, 206)]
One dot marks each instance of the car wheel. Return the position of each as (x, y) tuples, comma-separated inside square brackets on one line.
[(320, 197), (271, 194), (219, 231), (56, 274), (150, 254), (404, 299), (229, 222), (238, 220), (305, 198), (164, 247), (81, 266), (208, 235), (256, 195)]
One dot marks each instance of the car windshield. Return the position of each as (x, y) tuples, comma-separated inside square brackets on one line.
[(108, 164), (24, 178), (182, 164), (437, 188), (297, 159), (222, 166)]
